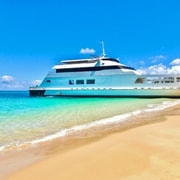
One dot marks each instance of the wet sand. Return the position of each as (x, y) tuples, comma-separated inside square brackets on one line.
[(147, 151)]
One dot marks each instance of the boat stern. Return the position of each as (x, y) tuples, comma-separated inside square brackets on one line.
[(36, 92)]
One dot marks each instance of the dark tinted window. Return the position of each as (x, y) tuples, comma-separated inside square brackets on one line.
[(79, 81), (90, 81), (71, 82)]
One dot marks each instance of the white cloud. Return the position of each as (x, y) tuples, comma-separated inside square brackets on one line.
[(10, 83), (174, 70), (160, 69), (87, 51), (141, 63), (157, 58), (155, 69), (6, 79), (35, 82), (175, 62)]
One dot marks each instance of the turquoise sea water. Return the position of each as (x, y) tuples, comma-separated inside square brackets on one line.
[(24, 119)]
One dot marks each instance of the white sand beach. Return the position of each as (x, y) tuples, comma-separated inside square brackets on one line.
[(150, 151)]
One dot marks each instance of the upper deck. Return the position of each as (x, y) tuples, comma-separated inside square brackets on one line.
[(93, 60), (93, 64)]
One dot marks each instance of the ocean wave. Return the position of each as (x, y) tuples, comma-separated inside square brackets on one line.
[(99, 123)]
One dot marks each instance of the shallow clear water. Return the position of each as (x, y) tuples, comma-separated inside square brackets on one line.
[(25, 119)]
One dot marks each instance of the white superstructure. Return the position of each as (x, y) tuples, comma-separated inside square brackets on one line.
[(104, 77)]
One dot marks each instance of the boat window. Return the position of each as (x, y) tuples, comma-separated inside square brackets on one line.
[(80, 81), (178, 79), (169, 79), (90, 81), (110, 59), (152, 79), (127, 67), (79, 61), (48, 81), (71, 82), (139, 80), (94, 68)]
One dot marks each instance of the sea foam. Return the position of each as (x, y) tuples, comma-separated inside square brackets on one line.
[(98, 123)]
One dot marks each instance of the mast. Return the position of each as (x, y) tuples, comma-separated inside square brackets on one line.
[(103, 50)]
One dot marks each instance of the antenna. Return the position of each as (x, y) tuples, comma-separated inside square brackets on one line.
[(103, 50)]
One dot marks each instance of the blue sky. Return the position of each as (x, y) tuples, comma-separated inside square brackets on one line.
[(36, 34)]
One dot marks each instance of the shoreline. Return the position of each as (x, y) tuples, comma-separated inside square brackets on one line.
[(51, 154)]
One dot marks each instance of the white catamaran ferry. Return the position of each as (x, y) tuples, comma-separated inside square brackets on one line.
[(104, 77)]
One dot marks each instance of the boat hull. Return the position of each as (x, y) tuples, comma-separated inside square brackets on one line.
[(106, 92)]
